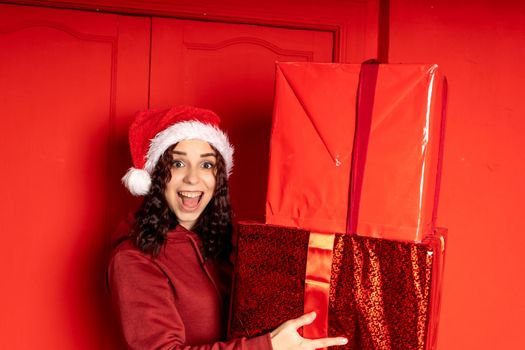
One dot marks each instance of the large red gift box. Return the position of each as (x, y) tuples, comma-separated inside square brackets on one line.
[(338, 134), (380, 293)]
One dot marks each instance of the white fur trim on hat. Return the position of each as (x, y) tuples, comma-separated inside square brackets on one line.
[(138, 181), (189, 130)]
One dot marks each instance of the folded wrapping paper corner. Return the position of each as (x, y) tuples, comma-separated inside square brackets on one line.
[(312, 148), (310, 140), (383, 294), (438, 242)]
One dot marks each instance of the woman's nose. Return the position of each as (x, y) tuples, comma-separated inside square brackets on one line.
[(191, 176)]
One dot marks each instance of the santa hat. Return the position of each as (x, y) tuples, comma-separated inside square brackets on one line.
[(154, 131)]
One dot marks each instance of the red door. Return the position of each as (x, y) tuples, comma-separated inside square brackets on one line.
[(69, 82), (229, 68)]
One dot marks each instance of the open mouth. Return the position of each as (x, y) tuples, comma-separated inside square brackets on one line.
[(190, 199)]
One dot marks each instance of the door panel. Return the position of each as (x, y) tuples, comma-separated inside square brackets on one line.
[(230, 69), (69, 83)]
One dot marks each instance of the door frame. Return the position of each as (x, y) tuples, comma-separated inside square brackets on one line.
[(354, 23)]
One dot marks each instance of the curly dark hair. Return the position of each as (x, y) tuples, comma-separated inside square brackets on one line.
[(154, 218)]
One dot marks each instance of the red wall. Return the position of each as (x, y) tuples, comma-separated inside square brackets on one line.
[(480, 45)]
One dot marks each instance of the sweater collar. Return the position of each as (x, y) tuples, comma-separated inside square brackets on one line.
[(180, 233)]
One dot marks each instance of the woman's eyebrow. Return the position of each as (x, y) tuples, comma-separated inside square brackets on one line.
[(208, 155), (179, 153)]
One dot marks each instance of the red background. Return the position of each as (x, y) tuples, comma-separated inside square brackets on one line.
[(71, 80), (480, 46)]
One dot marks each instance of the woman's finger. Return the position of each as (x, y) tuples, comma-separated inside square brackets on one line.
[(303, 320), (325, 342)]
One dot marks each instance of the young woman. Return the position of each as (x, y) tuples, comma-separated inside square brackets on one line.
[(169, 278)]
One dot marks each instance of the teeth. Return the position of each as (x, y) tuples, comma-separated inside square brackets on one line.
[(190, 194)]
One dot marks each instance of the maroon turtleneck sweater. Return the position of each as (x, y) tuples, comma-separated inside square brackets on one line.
[(173, 301)]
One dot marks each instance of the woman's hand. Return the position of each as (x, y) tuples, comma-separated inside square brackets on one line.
[(285, 337)]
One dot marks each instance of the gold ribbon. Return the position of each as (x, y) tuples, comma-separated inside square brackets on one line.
[(317, 283)]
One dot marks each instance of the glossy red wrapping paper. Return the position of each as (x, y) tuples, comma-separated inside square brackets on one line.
[(313, 147), (383, 294)]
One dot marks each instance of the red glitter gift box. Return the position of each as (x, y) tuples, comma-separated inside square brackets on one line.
[(372, 131), (380, 293)]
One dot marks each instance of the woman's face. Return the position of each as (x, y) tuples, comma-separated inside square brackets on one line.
[(192, 181)]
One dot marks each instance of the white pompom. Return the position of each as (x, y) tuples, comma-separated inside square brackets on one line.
[(137, 181)]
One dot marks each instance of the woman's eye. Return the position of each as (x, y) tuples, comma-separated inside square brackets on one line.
[(177, 164), (208, 165)]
